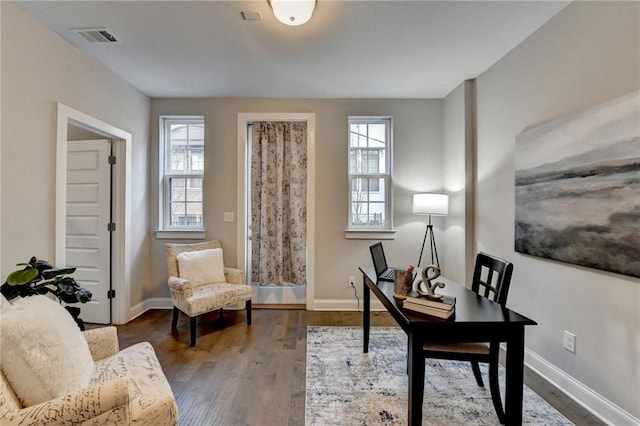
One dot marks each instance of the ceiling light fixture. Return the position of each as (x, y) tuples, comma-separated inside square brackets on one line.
[(292, 12)]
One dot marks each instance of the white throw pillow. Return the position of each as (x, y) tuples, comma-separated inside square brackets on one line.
[(202, 266), (43, 353)]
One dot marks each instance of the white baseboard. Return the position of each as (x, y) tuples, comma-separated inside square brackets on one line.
[(152, 303), (591, 401)]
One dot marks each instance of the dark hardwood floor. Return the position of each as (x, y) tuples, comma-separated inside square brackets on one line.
[(239, 375)]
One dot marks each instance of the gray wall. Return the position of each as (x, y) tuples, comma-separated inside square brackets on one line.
[(584, 56), (459, 182), (39, 69), (417, 167)]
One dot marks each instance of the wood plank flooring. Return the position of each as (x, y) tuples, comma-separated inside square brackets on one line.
[(239, 375)]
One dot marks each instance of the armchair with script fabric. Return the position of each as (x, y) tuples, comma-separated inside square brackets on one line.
[(200, 283)]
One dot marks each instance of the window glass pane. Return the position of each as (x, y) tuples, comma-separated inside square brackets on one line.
[(194, 209), (372, 164), (178, 209), (178, 132), (194, 193), (196, 132), (358, 135), (178, 190), (382, 161), (177, 158), (373, 185), (197, 160), (377, 135), (359, 213)]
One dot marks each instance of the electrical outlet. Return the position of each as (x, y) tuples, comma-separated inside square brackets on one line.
[(228, 216), (352, 281), (569, 342)]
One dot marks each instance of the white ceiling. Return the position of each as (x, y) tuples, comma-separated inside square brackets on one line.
[(349, 49)]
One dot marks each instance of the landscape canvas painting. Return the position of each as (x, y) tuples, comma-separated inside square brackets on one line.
[(578, 188)]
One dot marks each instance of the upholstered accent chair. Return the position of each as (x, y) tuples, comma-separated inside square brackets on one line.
[(491, 279), (122, 387), (200, 283)]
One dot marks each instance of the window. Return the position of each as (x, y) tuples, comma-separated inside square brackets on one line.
[(182, 171), (370, 173)]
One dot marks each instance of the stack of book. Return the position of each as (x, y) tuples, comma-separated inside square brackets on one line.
[(441, 308)]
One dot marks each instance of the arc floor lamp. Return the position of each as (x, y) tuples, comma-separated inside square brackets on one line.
[(432, 205)]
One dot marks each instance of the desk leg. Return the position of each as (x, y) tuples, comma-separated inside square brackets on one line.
[(366, 313), (514, 379), (415, 364)]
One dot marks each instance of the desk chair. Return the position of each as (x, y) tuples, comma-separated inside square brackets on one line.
[(491, 279)]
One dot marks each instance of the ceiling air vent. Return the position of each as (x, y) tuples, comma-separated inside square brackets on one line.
[(97, 35)]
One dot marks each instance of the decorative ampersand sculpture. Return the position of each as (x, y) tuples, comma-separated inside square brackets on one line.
[(429, 274)]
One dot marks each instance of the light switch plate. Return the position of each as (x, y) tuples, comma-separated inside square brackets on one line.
[(228, 216)]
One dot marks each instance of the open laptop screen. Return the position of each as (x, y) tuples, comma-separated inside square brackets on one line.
[(379, 260)]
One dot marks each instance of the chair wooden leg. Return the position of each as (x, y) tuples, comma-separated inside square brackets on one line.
[(192, 331), (476, 372), (495, 389), (248, 308), (174, 318)]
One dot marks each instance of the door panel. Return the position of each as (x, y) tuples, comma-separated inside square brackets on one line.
[(88, 214)]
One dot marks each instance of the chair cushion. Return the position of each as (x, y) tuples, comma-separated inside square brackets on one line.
[(44, 354), (202, 266), (208, 298)]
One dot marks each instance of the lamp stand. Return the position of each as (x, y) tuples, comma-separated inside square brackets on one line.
[(432, 243)]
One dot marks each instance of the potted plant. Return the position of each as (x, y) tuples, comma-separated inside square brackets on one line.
[(41, 277)]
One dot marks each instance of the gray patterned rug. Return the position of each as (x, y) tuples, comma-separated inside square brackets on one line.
[(347, 387)]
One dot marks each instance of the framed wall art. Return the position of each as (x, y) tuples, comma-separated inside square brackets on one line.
[(577, 186)]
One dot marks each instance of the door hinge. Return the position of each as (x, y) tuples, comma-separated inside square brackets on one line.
[(111, 226), (112, 159), (111, 294)]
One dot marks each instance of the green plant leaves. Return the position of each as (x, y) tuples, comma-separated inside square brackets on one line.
[(22, 277)]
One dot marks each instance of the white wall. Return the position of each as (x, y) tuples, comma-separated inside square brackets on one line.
[(587, 54), (417, 167), (39, 69)]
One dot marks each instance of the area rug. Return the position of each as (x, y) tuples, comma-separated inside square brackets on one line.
[(348, 387)]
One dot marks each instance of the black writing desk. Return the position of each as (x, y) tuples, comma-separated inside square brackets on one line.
[(476, 319)]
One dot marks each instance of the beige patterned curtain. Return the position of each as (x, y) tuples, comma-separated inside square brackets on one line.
[(279, 203)]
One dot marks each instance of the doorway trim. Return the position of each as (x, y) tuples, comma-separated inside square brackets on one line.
[(122, 201), (244, 119)]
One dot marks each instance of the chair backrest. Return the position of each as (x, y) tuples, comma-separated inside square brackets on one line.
[(492, 277), (174, 250)]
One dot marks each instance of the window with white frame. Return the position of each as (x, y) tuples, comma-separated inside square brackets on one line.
[(370, 140), (182, 171)]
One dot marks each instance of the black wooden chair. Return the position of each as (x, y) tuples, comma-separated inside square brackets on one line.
[(491, 279)]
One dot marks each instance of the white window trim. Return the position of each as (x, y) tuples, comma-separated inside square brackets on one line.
[(165, 231), (373, 232)]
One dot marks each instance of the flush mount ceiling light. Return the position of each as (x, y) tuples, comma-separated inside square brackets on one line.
[(292, 12)]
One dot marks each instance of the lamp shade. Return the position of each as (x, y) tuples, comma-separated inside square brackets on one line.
[(293, 12), (434, 204)]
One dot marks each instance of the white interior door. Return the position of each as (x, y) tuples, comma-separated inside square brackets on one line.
[(88, 215)]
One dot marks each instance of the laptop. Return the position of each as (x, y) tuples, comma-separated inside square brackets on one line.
[(383, 272)]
